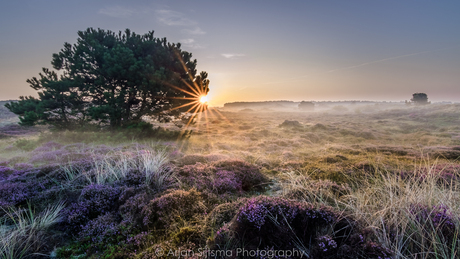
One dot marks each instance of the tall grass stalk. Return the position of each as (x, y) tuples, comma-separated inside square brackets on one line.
[(154, 167), (20, 230), (384, 202), (115, 166)]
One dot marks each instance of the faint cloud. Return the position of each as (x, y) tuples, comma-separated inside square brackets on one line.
[(232, 55), (190, 43), (117, 11), (194, 31), (173, 18)]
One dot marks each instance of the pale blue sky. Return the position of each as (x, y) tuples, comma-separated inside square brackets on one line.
[(258, 50)]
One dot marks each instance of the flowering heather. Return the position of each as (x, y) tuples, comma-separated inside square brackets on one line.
[(5, 172), (100, 231), (250, 176), (223, 178), (436, 219), (13, 193), (95, 200), (326, 243), (133, 202), (288, 224), (226, 181), (19, 189), (257, 211), (374, 250)]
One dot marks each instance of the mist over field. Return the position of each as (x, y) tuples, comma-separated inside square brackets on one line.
[(336, 180)]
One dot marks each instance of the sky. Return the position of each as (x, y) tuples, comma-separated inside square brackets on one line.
[(259, 50)]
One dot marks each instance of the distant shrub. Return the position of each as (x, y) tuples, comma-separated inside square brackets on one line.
[(290, 124), (319, 127)]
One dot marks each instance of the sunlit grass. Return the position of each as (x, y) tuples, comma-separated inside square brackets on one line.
[(384, 203)]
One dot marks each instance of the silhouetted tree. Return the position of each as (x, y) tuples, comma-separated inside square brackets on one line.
[(112, 79), (420, 98)]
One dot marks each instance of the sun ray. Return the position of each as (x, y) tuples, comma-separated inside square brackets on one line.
[(220, 114), (180, 89), (190, 76), (192, 108), (189, 86), (199, 115), (184, 105), (207, 123)]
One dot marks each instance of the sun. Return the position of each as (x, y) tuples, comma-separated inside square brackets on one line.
[(204, 99)]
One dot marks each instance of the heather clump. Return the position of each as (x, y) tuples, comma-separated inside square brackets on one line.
[(171, 208), (23, 166), (48, 146), (100, 233), (222, 214), (95, 200), (22, 187), (439, 223), (283, 224), (133, 200), (250, 176), (5, 172), (13, 194), (226, 179)]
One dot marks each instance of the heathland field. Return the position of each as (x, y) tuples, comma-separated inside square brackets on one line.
[(357, 181)]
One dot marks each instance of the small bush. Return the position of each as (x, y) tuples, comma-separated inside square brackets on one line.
[(176, 206)]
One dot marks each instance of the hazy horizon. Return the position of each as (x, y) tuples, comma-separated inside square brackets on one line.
[(261, 50)]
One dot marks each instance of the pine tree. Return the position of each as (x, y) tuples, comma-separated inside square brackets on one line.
[(112, 79)]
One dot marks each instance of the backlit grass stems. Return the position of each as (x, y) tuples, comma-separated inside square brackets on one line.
[(21, 230), (416, 215), (116, 166)]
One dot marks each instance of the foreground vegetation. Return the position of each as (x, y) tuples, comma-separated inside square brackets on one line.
[(349, 182)]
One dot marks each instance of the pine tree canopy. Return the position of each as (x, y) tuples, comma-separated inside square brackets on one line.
[(112, 79)]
